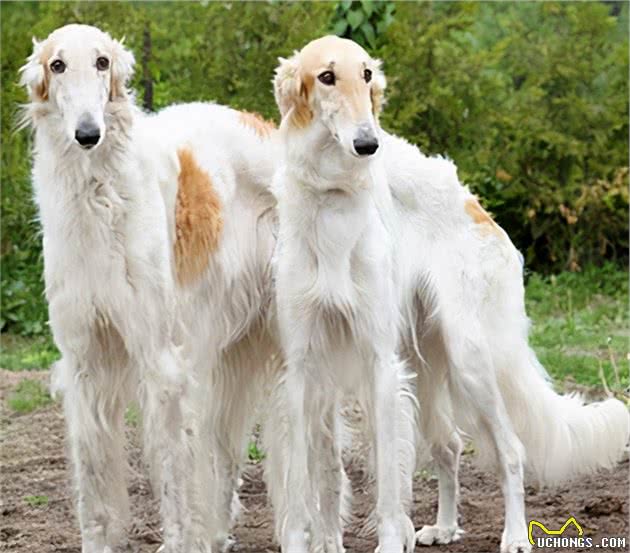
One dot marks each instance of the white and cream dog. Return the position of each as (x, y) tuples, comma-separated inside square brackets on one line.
[(337, 289), (383, 254), (157, 247), (158, 237)]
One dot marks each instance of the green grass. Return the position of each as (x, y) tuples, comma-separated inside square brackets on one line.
[(580, 325), (132, 415), (254, 453), (29, 395), (36, 500), (19, 353)]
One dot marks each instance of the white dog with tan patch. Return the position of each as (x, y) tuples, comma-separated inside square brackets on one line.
[(384, 254), (337, 292), (159, 230), (157, 253)]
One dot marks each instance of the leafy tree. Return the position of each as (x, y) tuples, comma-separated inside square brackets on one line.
[(530, 99), (364, 22)]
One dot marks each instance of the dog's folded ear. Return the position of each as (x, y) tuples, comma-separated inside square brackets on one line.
[(34, 75), (122, 70), (377, 90), (291, 91)]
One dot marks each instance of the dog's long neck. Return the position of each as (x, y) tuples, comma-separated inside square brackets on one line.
[(317, 162), (325, 204)]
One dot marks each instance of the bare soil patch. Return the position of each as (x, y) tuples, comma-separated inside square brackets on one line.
[(34, 463)]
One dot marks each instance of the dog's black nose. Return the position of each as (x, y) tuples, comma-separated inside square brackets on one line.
[(365, 147), (87, 133)]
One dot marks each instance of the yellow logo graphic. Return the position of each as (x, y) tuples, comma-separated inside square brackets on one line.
[(540, 525)]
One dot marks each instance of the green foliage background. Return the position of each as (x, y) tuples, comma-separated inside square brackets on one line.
[(529, 99)]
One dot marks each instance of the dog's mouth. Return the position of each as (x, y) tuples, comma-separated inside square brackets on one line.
[(362, 157), (88, 148)]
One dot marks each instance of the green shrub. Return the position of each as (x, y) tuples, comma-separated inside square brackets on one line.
[(364, 22), (18, 353), (529, 99)]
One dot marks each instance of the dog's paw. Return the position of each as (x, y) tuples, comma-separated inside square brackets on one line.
[(229, 544), (330, 544), (429, 535), (389, 549), (390, 546), (200, 545), (334, 544), (409, 534), (295, 542), (517, 546)]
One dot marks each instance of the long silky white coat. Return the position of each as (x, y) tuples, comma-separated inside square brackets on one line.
[(126, 327), (200, 356), (458, 289)]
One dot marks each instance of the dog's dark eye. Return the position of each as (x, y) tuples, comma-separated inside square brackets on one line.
[(102, 63), (57, 66), (367, 75), (327, 77)]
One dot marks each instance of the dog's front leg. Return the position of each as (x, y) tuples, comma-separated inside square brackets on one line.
[(169, 446), (326, 464), (395, 529), (297, 486), (94, 408)]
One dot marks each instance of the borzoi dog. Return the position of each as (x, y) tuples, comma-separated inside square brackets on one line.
[(337, 294), (156, 251), (370, 228)]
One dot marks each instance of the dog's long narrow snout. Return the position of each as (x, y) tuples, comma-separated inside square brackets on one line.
[(87, 133), (366, 142)]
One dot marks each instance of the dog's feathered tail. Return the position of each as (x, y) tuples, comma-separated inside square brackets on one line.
[(563, 437)]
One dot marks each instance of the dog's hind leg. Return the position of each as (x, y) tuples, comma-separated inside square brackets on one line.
[(446, 529), (439, 430), (169, 444), (275, 439), (238, 385), (472, 380), (94, 408), (225, 502)]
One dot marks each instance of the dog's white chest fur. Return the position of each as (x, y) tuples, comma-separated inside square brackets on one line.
[(105, 249), (334, 274)]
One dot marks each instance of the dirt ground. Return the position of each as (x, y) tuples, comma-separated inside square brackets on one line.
[(33, 463)]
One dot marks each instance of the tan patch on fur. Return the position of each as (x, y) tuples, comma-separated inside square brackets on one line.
[(257, 123), (198, 219), (302, 114), (481, 217), (116, 86), (41, 91), (115, 90), (377, 96), (347, 60), (354, 92)]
